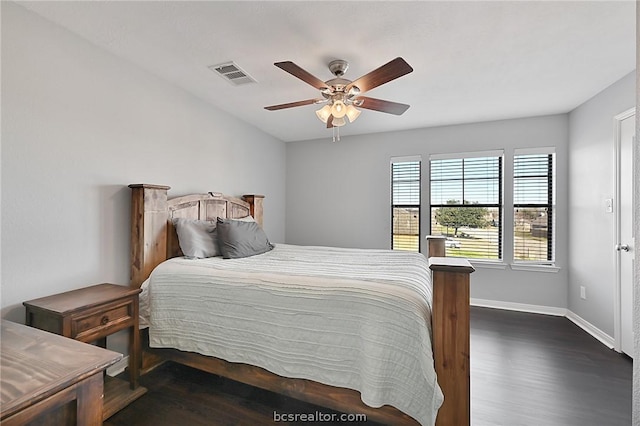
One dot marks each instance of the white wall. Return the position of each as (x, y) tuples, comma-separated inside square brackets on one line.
[(339, 194), (591, 182), (78, 126)]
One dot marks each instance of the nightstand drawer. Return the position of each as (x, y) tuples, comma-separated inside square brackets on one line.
[(105, 320)]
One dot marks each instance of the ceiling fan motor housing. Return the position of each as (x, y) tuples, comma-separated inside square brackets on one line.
[(338, 67)]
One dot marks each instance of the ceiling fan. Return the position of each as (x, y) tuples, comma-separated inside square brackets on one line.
[(342, 96)]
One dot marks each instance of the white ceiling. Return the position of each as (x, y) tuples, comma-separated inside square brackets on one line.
[(473, 61)]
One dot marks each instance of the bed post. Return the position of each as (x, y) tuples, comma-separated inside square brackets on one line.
[(450, 324), (256, 204), (435, 246), (149, 215)]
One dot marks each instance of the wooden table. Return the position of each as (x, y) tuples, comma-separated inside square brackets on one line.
[(41, 374), (91, 314)]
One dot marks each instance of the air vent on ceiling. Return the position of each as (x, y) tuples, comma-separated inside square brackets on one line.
[(231, 72)]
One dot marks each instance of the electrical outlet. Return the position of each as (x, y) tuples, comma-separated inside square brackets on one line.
[(583, 292)]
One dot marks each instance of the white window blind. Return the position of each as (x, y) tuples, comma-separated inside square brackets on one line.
[(533, 207), (405, 204), (466, 204)]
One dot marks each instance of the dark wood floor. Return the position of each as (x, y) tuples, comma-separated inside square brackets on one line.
[(529, 369), (526, 369)]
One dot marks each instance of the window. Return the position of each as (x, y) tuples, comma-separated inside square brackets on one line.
[(533, 207), (405, 204), (466, 204)]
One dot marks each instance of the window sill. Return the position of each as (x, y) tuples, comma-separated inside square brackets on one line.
[(535, 268), (483, 264)]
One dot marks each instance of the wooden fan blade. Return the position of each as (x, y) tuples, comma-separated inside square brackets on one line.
[(389, 71), (292, 104), (330, 121), (382, 105), (303, 75)]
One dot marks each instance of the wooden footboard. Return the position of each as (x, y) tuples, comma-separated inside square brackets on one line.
[(153, 241)]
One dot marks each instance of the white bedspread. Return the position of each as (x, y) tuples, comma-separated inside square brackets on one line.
[(358, 319)]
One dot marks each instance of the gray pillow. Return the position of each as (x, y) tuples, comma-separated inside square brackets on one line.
[(197, 238), (238, 239), (245, 219)]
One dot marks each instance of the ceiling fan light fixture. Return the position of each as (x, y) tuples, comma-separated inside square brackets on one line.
[(338, 121), (324, 113), (338, 109), (352, 113)]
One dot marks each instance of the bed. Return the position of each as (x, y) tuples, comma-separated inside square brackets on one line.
[(404, 391)]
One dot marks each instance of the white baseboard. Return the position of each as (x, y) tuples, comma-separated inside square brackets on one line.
[(118, 367), (520, 307), (594, 331), (591, 329)]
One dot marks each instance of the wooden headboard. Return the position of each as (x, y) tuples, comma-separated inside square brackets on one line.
[(153, 237)]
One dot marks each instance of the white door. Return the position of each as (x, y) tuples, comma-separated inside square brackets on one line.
[(625, 250)]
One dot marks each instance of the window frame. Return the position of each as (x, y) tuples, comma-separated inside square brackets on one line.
[(418, 205), (550, 205), (499, 154)]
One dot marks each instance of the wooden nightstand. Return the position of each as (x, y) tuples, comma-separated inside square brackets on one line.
[(90, 315)]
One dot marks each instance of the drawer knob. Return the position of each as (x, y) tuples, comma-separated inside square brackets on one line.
[(104, 320)]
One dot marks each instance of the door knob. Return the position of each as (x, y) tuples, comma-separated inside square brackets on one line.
[(622, 247)]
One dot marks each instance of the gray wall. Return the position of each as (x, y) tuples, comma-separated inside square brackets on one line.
[(636, 218), (79, 125), (339, 194), (591, 182)]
